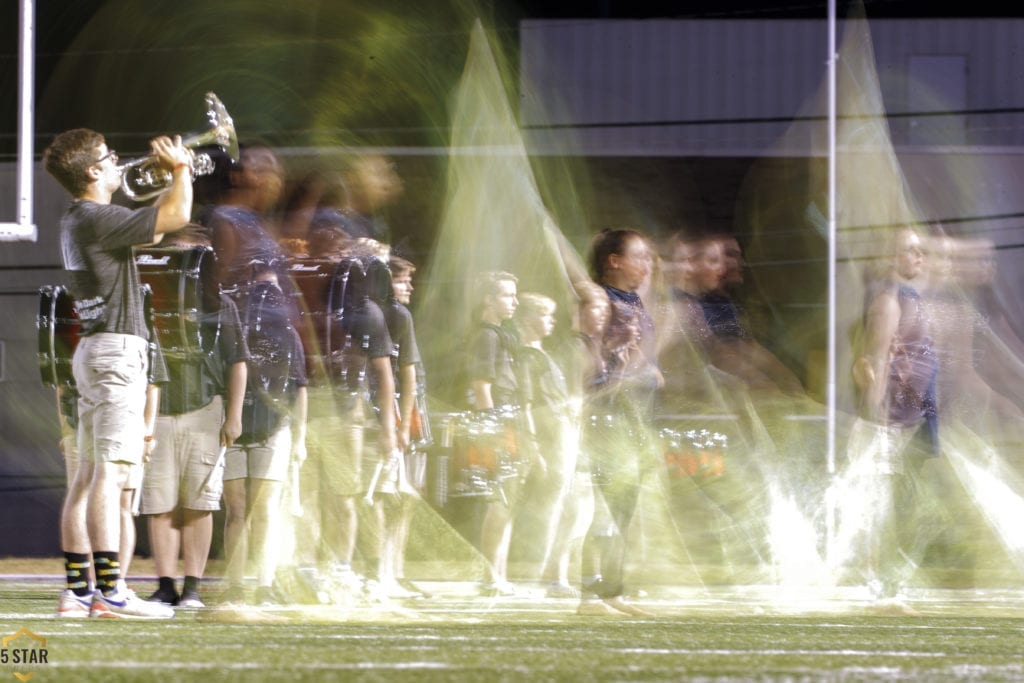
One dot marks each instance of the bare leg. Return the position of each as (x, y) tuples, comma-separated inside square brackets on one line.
[(495, 534), (235, 530), (74, 531), (343, 540), (126, 550), (196, 537), (164, 540), (103, 514), (265, 513)]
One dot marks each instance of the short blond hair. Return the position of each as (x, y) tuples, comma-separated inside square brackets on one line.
[(532, 304)]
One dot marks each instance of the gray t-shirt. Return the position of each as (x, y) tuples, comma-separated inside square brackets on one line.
[(96, 244)]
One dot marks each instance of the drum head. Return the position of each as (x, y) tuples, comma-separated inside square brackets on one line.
[(182, 281)]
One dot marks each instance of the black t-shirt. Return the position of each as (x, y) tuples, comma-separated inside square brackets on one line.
[(96, 246), (403, 334), (492, 359), (366, 336)]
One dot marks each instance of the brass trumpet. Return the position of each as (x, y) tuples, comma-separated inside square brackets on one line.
[(145, 178)]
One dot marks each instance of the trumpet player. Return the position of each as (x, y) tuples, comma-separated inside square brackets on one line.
[(110, 362)]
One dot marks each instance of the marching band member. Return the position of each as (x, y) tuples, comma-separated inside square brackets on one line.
[(110, 363)]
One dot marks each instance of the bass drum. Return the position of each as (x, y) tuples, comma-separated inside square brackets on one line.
[(319, 286), (58, 326), (184, 290)]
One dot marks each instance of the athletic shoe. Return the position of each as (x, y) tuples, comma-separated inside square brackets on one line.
[(73, 606), (190, 600), (125, 604), (169, 598)]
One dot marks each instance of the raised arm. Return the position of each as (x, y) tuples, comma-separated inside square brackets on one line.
[(174, 207)]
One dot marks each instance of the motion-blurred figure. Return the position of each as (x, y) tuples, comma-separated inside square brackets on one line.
[(556, 426), (896, 433), (620, 444), (200, 414)]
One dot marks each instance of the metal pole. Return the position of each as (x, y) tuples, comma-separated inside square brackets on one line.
[(24, 228), (831, 303)]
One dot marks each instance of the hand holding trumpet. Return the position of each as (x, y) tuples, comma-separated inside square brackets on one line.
[(171, 153)]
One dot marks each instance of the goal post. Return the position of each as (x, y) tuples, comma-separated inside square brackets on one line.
[(23, 227)]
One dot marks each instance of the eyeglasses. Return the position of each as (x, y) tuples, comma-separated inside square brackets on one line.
[(109, 155)]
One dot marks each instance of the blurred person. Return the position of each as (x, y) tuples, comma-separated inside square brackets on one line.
[(620, 448), (556, 426), (316, 201), (622, 263), (341, 468), (371, 183), (896, 434), (732, 278), (709, 492), (732, 348), (110, 362), (259, 462), (587, 373), (200, 414), (959, 273), (238, 222), (411, 418), (495, 383), (695, 267)]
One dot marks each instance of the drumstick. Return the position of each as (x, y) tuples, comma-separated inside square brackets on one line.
[(368, 498)]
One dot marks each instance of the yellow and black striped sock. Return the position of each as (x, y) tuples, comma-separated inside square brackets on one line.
[(76, 569), (108, 570)]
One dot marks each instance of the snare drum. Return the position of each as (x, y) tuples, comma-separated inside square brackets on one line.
[(484, 452), (694, 453), (58, 325), (180, 279)]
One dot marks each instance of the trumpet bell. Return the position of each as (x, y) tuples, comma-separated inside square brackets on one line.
[(144, 178), (221, 131)]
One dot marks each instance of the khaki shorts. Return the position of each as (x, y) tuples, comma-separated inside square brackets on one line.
[(185, 468), (268, 460), (110, 371), (335, 453)]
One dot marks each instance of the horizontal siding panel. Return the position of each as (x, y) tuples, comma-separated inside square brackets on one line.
[(627, 72)]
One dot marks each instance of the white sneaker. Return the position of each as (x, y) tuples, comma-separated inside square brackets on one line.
[(72, 606), (191, 600), (125, 604)]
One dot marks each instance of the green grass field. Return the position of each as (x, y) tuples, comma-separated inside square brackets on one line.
[(701, 634)]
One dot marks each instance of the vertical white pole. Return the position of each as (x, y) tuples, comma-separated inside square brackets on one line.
[(831, 303), (24, 228)]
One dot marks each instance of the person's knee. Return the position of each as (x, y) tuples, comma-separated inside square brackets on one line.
[(111, 476), (234, 499)]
